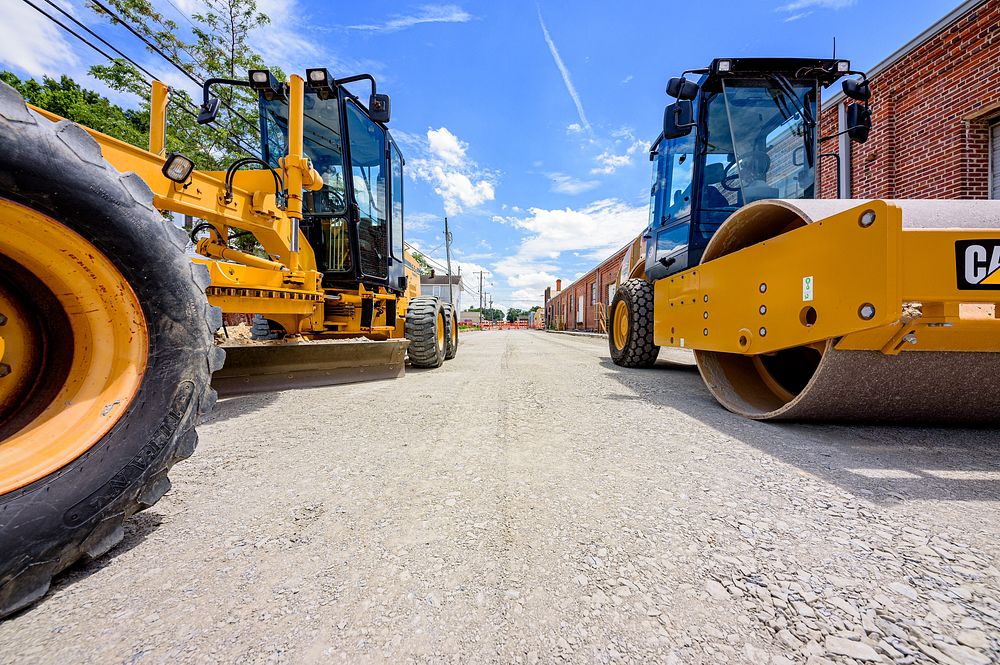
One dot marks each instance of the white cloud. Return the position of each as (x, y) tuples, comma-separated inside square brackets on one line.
[(446, 146), (574, 128), (627, 79), (796, 17), (456, 179), (594, 232), (458, 190), (613, 159), (31, 43), (420, 221), (424, 14), (564, 184), (797, 5), (564, 72)]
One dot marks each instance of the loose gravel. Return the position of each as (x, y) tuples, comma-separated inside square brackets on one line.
[(531, 502)]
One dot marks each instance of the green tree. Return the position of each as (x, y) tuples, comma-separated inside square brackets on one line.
[(67, 98), (423, 267), (218, 47), (513, 313)]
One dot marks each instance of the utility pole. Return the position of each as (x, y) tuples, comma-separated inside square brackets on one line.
[(481, 303), (491, 306), (447, 251)]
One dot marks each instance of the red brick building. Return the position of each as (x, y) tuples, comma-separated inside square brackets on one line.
[(936, 135)]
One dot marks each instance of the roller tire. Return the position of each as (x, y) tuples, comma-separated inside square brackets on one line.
[(450, 331), (78, 511), (639, 349), (421, 329)]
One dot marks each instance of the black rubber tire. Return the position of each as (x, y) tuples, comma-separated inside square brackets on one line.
[(450, 331), (639, 350), (421, 329), (265, 329), (78, 511)]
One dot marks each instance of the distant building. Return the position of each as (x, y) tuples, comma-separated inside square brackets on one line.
[(437, 285), (470, 318)]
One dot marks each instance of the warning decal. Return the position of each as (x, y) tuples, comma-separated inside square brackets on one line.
[(977, 264)]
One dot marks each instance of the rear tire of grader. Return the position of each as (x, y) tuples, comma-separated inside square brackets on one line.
[(451, 331), (630, 325), (426, 329), (107, 345)]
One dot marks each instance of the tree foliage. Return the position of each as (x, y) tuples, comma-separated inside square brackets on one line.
[(513, 313), (423, 266), (67, 98), (218, 46)]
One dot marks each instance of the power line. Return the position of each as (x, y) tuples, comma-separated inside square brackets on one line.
[(231, 140), (166, 57)]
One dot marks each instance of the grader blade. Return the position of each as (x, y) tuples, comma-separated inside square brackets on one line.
[(267, 367)]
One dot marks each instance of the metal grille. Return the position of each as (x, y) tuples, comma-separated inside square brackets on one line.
[(373, 249)]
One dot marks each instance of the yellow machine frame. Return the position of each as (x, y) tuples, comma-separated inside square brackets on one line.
[(843, 277), (286, 287)]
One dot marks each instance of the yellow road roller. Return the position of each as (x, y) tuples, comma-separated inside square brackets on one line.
[(798, 308)]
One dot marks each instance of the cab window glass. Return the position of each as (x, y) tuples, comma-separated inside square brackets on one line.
[(671, 190), (369, 178), (396, 167), (670, 240)]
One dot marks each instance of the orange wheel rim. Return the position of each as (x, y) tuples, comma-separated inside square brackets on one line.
[(440, 332), (102, 350)]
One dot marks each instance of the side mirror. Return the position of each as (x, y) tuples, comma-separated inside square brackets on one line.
[(378, 108), (856, 89), (677, 119), (859, 122), (209, 110), (680, 88)]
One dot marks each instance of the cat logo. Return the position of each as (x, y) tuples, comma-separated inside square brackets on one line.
[(978, 264)]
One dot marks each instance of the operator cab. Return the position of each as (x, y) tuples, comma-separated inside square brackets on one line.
[(355, 222), (746, 131)]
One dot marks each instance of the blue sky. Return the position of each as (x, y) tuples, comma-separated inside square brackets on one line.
[(526, 123)]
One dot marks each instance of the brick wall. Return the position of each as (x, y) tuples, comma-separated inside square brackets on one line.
[(602, 275), (931, 111)]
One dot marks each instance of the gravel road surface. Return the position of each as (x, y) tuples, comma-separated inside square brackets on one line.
[(531, 502)]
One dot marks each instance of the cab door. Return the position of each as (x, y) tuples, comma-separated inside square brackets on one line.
[(368, 157)]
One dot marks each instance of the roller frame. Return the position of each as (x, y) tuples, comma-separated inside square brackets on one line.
[(716, 306)]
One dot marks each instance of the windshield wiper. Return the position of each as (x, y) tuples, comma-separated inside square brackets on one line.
[(803, 109)]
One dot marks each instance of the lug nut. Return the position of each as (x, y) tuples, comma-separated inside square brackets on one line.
[(867, 311), (4, 369), (867, 219)]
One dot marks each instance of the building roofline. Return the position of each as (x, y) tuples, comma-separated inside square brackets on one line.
[(913, 44)]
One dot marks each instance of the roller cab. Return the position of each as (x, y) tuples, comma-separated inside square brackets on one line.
[(800, 308)]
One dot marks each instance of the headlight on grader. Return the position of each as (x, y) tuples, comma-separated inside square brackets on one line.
[(178, 167)]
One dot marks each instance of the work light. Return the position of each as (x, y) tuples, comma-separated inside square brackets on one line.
[(320, 81), (263, 81), (177, 167), (843, 66), (724, 66)]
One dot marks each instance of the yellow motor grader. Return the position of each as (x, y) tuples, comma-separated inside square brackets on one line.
[(798, 308), (106, 334)]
